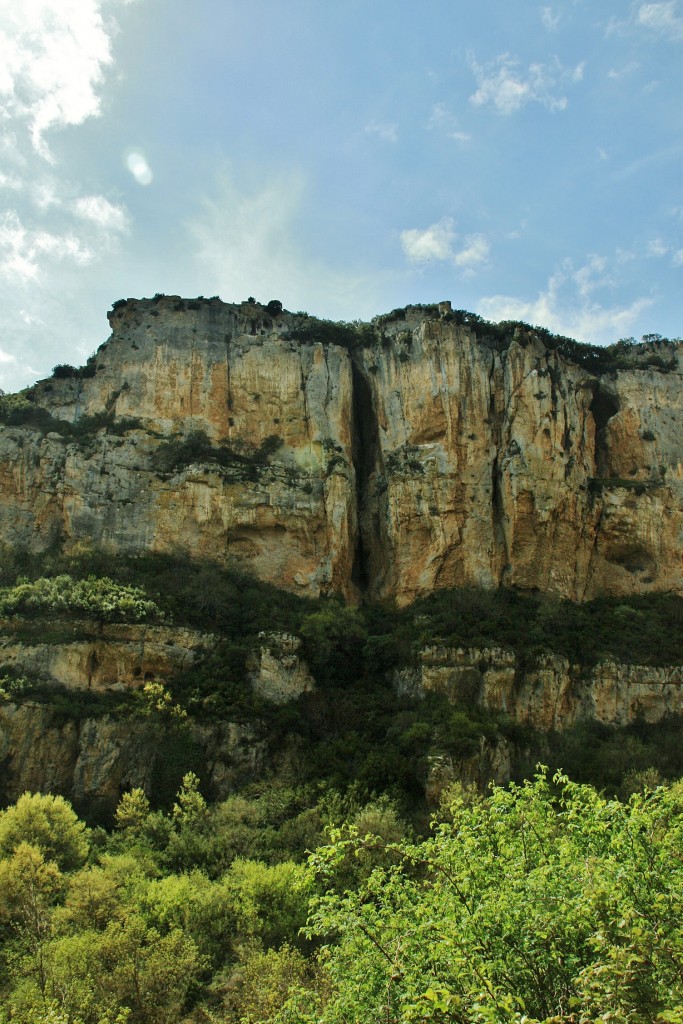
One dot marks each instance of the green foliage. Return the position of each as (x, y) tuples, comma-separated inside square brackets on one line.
[(64, 371), (350, 336), (545, 903), (19, 411), (334, 638), (99, 598), (155, 700), (48, 823), (242, 459), (133, 811)]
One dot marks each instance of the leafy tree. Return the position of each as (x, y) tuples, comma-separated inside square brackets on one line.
[(133, 811), (270, 901), (545, 902), (99, 598), (48, 822), (28, 886)]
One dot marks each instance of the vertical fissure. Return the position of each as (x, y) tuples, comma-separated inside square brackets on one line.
[(604, 406), (366, 455)]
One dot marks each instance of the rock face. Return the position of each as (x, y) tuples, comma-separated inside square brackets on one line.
[(276, 671), (550, 694), (93, 761), (425, 455), (108, 657)]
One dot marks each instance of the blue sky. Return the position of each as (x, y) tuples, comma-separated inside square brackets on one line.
[(349, 156)]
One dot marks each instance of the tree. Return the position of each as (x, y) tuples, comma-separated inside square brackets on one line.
[(544, 902), (48, 822)]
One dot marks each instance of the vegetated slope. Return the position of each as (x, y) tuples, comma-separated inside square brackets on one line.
[(170, 665), (493, 917)]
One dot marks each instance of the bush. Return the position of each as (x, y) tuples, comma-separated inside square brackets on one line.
[(98, 598), (47, 822)]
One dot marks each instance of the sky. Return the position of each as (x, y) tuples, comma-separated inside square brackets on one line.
[(343, 156)]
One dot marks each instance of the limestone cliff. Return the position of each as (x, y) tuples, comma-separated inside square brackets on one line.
[(549, 693), (420, 452), (93, 760)]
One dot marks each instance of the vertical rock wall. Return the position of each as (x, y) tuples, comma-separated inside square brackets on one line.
[(424, 455)]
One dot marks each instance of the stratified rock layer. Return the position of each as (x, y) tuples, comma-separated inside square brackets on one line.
[(426, 456), (550, 693)]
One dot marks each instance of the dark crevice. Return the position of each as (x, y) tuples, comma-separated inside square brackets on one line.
[(498, 517), (365, 453), (603, 407)]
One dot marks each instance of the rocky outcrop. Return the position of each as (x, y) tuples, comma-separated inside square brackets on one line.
[(276, 670), (550, 693), (93, 760), (417, 453), (99, 658)]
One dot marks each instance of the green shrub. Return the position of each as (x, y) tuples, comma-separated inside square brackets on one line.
[(98, 598)]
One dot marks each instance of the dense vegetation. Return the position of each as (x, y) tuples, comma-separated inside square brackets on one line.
[(541, 902), (353, 734)]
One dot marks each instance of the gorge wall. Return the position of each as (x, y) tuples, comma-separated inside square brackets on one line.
[(423, 454)]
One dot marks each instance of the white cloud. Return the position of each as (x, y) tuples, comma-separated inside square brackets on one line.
[(443, 120), (627, 69), (99, 211), (474, 253), (437, 242), (550, 19), (662, 18), (656, 247), (508, 87), (678, 258), (23, 250), (245, 243), (432, 243), (10, 182), (139, 167), (55, 53), (568, 305), (387, 131)]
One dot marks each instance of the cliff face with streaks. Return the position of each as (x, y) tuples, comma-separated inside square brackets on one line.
[(419, 453), (551, 693)]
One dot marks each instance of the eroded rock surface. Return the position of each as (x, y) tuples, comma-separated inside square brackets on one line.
[(550, 693), (425, 455)]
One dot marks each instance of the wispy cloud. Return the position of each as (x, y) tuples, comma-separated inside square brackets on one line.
[(97, 210), (55, 53), (569, 304), (57, 56), (443, 120), (387, 131), (438, 242), (245, 243), (657, 247), (23, 251), (550, 19), (662, 18), (508, 87), (616, 73)]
